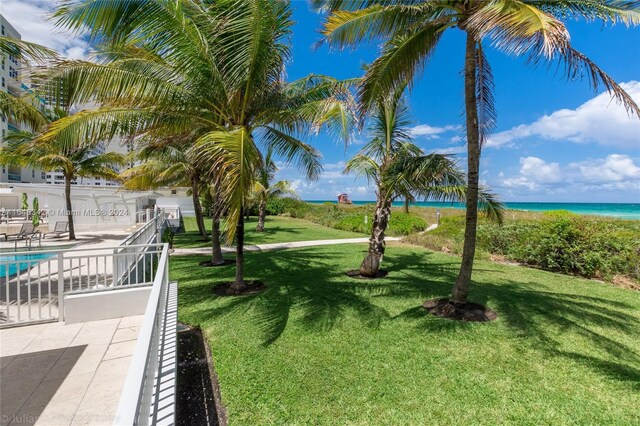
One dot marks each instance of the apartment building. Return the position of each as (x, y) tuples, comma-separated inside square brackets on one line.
[(14, 83), (11, 83)]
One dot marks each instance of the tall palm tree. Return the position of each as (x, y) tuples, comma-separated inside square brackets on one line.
[(411, 31), (166, 165), (397, 167), (265, 189), (214, 70), (78, 160)]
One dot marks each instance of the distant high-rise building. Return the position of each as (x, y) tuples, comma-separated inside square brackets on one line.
[(11, 83), (50, 96)]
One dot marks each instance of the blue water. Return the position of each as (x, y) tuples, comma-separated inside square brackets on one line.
[(618, 210), (31, 260)]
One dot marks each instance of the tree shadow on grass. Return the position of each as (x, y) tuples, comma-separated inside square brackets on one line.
[(314, 285)]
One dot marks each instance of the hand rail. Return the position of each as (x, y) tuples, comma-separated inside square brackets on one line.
[(136, 398)]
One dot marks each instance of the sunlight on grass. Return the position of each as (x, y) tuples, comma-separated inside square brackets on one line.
[(277, 230), (318, 347)]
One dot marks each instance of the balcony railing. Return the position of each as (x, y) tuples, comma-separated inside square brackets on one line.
[(148, 395)]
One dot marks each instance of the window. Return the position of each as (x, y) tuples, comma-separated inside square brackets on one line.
[(33, 173), (43, 175), (4, 170), (3, 30), (3, 83)]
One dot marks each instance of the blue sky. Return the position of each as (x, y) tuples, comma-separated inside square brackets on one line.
[(556, 140)]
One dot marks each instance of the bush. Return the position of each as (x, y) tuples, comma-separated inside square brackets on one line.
[(567, 243)]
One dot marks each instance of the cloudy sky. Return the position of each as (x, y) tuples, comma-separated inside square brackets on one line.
[(556, 140)]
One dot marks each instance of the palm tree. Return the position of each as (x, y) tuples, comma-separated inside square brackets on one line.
[(166, 165), (265, 189), (411, 31), (25, 150), (397, 168), (214, 70)]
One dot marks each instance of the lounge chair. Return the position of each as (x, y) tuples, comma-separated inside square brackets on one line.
[(59, 229), (28, 231)]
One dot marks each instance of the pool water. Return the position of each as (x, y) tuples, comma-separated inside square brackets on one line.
[(32, 259)]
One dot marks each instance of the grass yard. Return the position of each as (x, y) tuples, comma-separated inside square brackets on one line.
[(320, 348), (278, 229)]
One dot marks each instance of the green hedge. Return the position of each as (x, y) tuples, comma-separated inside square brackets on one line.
[(559, 242), (568, 244), (346, 218)]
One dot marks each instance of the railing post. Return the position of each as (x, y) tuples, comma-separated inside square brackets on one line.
[(61, 286)]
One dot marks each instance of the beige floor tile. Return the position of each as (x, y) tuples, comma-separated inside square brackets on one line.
[(94, 333), (124, 334), (35, 365), (100, 415), (133, 321), (107, 384), (119, 350), (13, 347), (43, 393), (5, 361), (70, 364)]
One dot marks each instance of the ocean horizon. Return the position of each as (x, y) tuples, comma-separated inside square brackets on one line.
[(617, 210)]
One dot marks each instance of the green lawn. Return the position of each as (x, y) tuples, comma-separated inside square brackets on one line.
[(278, 229), (320, 348)]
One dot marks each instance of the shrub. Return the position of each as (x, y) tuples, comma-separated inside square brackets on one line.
[(567, 243)]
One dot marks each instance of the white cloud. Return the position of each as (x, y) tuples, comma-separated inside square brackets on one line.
[(600, 120), (449, 150), (30, 18), (614, 172), (536, 169), (334, 166), (430, 132)]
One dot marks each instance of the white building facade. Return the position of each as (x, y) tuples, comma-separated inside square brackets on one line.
[(11, 83)]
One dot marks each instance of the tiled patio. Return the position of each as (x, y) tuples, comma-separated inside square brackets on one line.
[(56, 374)]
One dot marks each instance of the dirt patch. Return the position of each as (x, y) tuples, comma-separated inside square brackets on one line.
[(625, 282), (462, 312), (197, 394), (355, 273), (253, 287), (208, 264)]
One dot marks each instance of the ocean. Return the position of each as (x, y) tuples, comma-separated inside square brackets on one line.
[(618, 210)]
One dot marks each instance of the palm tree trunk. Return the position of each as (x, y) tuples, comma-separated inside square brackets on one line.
[(262, 212), (216, 247), (371, 263), (461, 288), (406, 205), (67, 197), (239, 284), (197, 207)]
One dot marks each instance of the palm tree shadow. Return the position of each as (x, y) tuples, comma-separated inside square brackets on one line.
[(536, 316)]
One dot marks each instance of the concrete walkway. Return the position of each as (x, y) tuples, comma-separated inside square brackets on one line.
[(280, 246), (57, 374)]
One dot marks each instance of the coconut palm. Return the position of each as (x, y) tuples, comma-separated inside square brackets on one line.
[(166, 165), (398, 168), (77, 160), (411, 31), (265, 189), (213, 70)]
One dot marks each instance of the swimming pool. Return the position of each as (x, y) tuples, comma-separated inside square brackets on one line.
[(31, 259)]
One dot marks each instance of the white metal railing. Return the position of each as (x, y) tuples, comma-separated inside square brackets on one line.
[(151, 232), (32, 282), (152, 368)]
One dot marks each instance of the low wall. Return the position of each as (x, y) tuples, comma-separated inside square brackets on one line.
[(100, 305)]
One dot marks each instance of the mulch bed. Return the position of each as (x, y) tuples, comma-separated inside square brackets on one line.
[(208, 264), (468, 312), (253, 287), (355, 273)]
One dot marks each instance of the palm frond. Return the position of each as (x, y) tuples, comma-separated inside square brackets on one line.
[(304, 156), (401, 60)]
